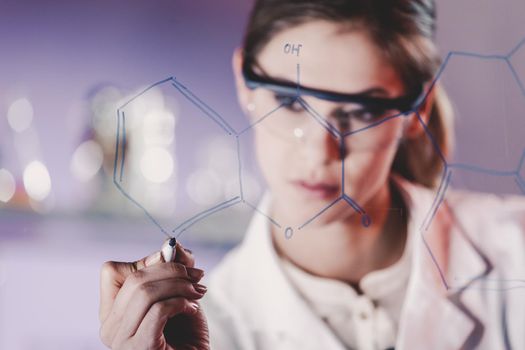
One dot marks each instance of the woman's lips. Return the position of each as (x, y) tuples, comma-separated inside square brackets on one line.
[(317, 190)]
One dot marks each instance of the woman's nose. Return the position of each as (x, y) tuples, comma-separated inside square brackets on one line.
[(319, 145)]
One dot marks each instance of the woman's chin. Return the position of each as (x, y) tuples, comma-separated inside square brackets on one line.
[(300, 212)]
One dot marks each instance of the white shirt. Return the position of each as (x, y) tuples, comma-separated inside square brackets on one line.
[(361, 321), (474, 246)]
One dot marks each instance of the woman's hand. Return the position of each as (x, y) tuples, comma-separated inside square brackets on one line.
[(152, 304)]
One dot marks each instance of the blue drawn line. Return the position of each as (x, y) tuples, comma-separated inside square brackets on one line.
[(343, 156), (141, 207), (263, 214), (121, 190), (519, 280), (194, 98), (210, 113), (502, 289), (320, 119), (522, 161), (479, 169), (440, 188), (434, 260), (144, 91), (216, 210), (478, 55), (123, 146), (353, 204), (445, 183), (259, 120), (196, 218), (516, 77), (441, 198), (240, 165), (321, 212), (374, 124), (521, 180), (521, 184), (429, 134), (441, 69), (505, 58), (434, 81), (514, 50), (120, 149)]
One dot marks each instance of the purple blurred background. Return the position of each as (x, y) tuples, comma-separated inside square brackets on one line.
[(56, 57)]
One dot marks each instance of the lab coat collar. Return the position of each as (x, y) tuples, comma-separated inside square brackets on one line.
[(446, 242), (443, 250), (428, 301), (286, 314)]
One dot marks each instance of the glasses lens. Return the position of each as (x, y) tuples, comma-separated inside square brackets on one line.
[(363, 127), (373, 134)]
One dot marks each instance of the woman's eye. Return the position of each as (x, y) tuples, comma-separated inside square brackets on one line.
[(289, 102), (366, 115)]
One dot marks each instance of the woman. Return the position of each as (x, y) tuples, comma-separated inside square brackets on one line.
[(359, 275)]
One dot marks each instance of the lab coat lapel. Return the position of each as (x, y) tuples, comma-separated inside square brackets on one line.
[(287, 321), (434, 315)]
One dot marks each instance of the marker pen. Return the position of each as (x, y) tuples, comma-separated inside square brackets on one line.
[(168, 249)]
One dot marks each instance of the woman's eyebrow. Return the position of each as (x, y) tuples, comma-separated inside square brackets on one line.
[(374, 91)]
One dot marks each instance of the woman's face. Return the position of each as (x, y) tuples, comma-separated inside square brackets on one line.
[(301, 160)]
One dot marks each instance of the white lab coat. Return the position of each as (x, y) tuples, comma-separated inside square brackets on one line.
[(477, 240)]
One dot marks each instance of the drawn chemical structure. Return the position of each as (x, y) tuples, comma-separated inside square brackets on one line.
[(212, 115), (449, 168), (294, 49)]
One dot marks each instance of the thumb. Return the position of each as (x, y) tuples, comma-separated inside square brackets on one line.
[(112, 277), (113, 274)]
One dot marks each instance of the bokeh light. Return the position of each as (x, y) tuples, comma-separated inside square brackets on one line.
[(37, 181), (204, 187), (298, 132), (156, 165), (87, 161), (159, 126), (7, 185), (250, 185), (20, 114), (221, 156)]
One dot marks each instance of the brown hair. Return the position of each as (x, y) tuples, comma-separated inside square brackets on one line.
[(404, 31)]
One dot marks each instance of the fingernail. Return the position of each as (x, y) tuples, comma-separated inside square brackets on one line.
[(194, 273), (182, 248), (200, 288), (152, 259), (194, 305)]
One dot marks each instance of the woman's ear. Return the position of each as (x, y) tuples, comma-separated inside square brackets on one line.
[(414, 127), (244, 94)]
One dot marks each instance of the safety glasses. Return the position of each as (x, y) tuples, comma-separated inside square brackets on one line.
[(403, 104)]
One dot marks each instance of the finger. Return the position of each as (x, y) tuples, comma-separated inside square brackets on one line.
[(184, 256), (148, 274), (159, 313), (112, 277), (153, 273), (135, 281), (150, 293)]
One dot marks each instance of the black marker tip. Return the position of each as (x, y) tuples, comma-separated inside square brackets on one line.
[(172, 242)]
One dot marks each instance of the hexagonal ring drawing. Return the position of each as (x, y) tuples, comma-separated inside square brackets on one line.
[(120, 155), (518, 174)]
